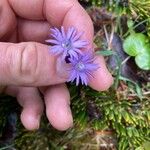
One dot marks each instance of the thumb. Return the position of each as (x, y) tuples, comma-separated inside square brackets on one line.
[(29, 64)]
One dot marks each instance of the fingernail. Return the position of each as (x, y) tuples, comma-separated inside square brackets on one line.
[(37, 121), (34, 122)]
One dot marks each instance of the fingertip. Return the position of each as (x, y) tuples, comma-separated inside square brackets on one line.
[(60, 119), (79, 18), (57, 99), (102, 78), (30, 120), (31, 102)]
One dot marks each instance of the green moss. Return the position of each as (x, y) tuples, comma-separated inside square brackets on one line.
[(127, 121)]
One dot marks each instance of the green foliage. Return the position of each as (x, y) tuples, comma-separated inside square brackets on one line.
[(133, 8), (129, 121), (105, 52), (7, 147), (142, 9), (136, 45), (92, 2), (143, 60), (116, 6), (131, 124)]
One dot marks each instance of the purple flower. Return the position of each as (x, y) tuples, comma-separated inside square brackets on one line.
[(82, 68), (66, 44)]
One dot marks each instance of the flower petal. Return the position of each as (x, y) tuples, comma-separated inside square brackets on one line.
[(73, 54), (80, 44), (70, 32), (76, 37), (56, 49), (63, 32), (92, 67), (77, 80), (84, 79), (53, 41)]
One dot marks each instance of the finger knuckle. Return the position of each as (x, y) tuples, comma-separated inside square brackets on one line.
[(28, 62), (24, 62)]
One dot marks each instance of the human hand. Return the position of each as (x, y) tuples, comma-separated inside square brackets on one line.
[(25, 61)]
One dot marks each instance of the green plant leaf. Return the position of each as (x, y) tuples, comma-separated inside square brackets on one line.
[(7, 147), (130, 24), (135, 44), (138, 91), (105, 52), (130, 132), (143, 60), (147, 145)]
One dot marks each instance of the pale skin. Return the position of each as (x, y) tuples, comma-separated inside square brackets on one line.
[(26, 66)]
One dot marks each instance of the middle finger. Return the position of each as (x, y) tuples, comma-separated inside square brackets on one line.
[(29, 30), (57, 101)]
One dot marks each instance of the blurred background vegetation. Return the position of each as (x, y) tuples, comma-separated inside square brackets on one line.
[(117, 119)]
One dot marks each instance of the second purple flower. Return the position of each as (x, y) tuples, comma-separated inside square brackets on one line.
[(82, 68)]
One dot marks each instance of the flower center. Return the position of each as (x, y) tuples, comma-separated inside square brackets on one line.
[(67, 45), (80, 66)]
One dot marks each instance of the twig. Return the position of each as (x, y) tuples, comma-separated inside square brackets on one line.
[(144, 93), (111, 35), (109, 39), (125, 60), (106, 33)]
